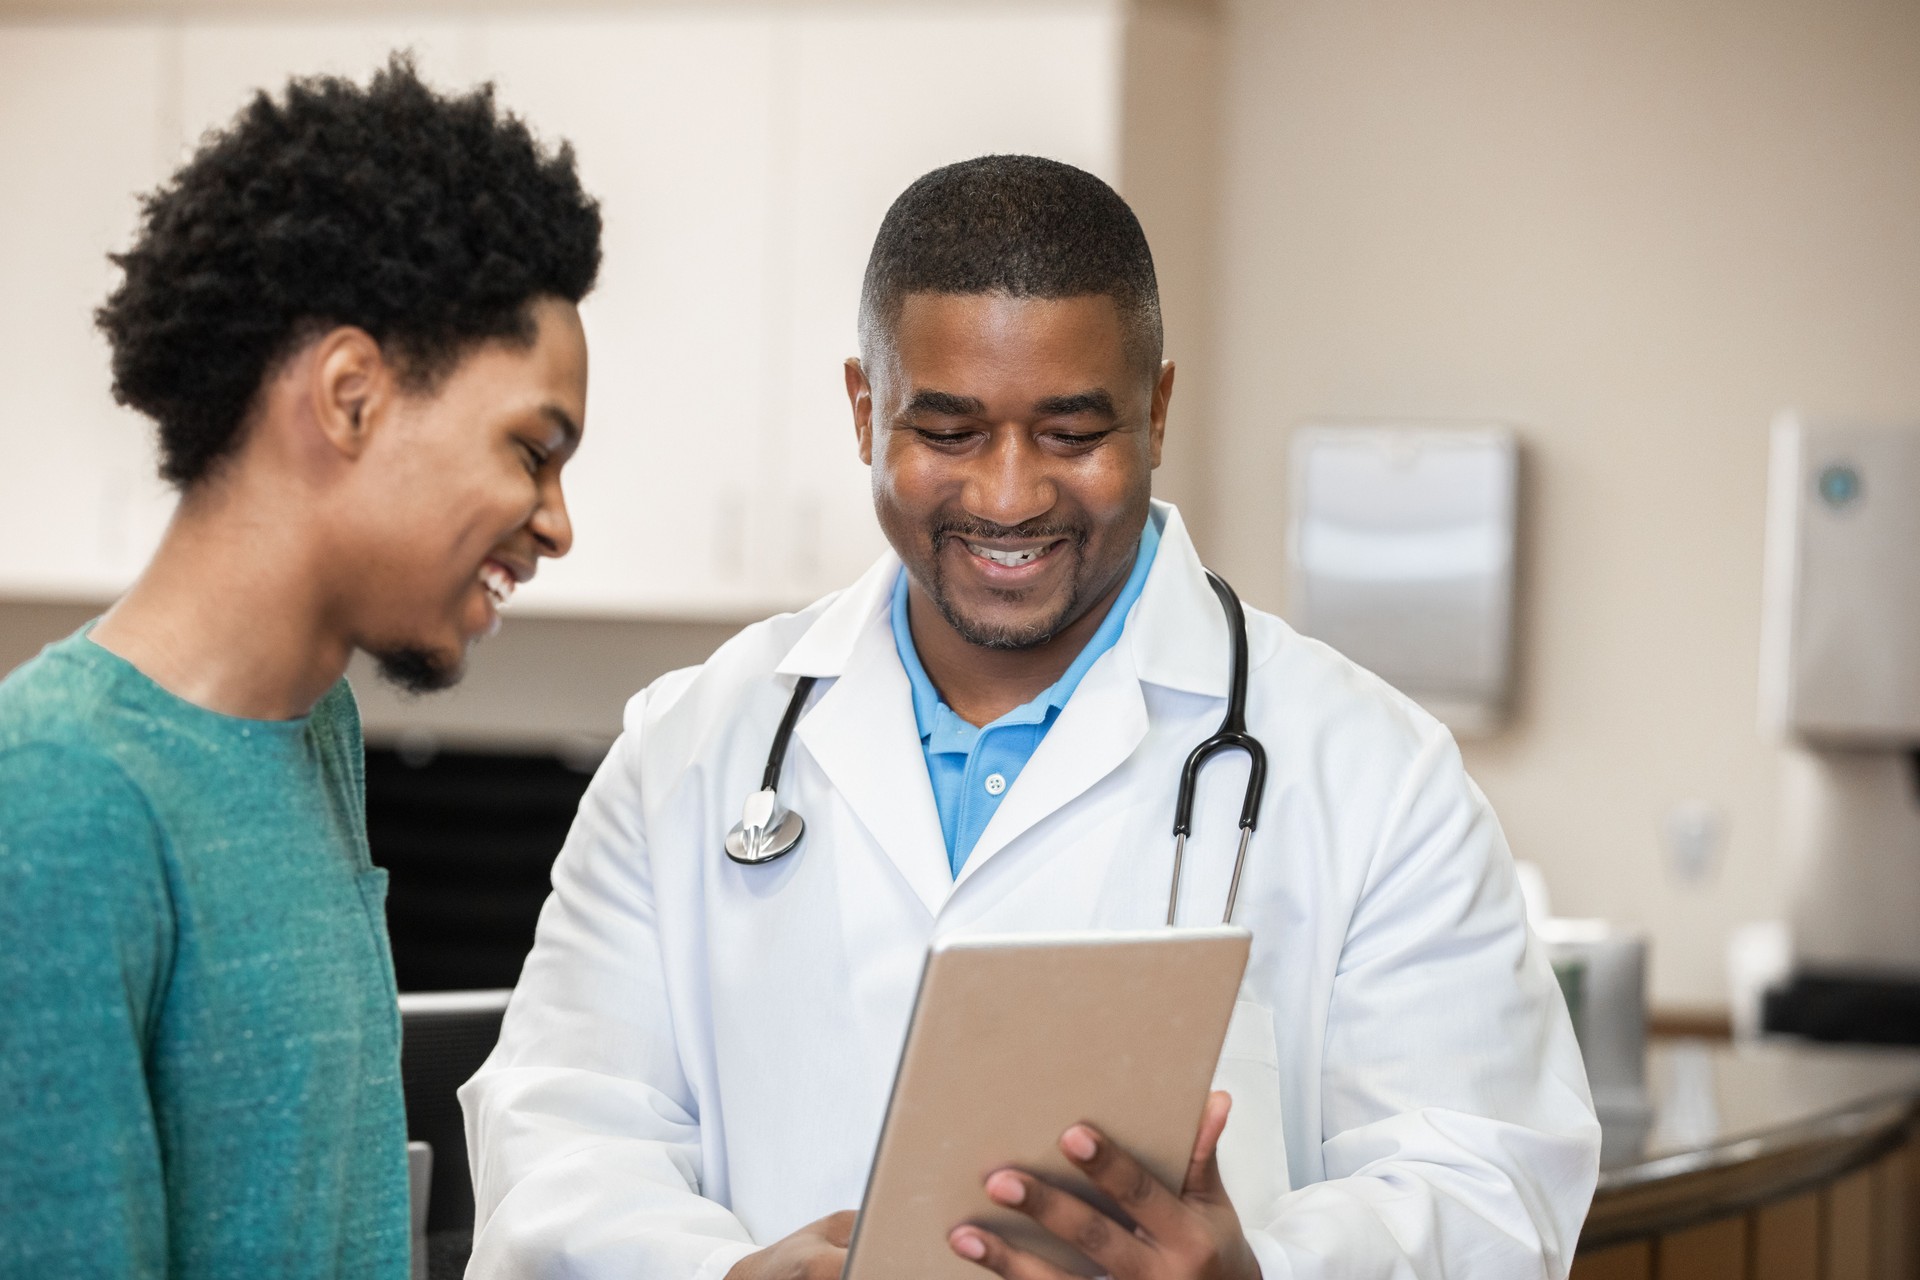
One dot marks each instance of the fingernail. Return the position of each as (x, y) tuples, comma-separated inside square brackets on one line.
[(1006, 1188), (1079, 1143), (968, 1245)]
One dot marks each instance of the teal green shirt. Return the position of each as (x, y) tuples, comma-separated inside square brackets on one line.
[(199, 1042)]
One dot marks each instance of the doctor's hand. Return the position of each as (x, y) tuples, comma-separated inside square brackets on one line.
[(817, 1251), (1191, 1234)]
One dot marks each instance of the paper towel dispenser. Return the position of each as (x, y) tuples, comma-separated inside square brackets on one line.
[(1840, 637), (1401, 556)]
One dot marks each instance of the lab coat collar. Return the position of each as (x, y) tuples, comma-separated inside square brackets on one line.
[(825, 648), (1177, 637)]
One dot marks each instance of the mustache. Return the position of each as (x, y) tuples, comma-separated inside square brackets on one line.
[(986, 531)]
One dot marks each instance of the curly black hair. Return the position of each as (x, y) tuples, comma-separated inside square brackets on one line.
[(432, 222), (1020, 225)]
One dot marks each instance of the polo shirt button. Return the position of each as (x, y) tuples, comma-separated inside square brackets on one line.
[(995, 784)]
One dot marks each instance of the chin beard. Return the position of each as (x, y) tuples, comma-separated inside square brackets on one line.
[(1030, 636), (415, 670)]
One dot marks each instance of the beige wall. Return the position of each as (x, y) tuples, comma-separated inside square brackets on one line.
[(1635, 230), (1169, 174)]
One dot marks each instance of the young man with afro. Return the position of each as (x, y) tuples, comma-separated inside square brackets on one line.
[(352, 315)]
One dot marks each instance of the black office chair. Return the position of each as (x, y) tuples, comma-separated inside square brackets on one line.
[(445, 1036)]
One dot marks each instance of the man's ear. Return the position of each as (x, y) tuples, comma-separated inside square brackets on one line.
[(349, 384), (1157, 414), (860, 397)]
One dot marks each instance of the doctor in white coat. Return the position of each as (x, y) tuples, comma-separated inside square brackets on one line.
[(694, 1067)]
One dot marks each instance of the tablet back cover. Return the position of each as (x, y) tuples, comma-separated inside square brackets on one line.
[(1013, 1040)]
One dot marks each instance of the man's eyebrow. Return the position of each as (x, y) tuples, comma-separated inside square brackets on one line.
[(946, 404), (558, 417), (1095, 402)]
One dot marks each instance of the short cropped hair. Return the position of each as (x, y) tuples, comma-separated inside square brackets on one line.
[(432, 222), (1019, 225)]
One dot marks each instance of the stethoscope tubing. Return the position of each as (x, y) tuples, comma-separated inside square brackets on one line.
[(1232, 735), (770, 779)]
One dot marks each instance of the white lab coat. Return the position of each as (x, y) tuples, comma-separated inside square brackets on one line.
[(698, 1056)]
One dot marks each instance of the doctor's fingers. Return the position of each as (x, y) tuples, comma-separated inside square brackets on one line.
[(985, 1249), (1114, 1247), (1154, 1206)]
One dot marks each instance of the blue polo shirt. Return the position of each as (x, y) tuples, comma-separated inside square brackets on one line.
[(973, 768)]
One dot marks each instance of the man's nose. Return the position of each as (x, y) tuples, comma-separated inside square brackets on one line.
[(551, 525), (1011, 482)]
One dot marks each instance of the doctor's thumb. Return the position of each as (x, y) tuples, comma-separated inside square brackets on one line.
[(1203, 1171)]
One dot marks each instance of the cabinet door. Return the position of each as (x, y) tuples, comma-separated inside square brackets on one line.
[(670, 115), (876, 99), (80, 506)]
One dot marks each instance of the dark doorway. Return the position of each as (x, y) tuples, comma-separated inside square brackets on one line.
[(468, 840)]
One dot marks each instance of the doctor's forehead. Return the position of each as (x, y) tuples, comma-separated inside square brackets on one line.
[(967, 344)]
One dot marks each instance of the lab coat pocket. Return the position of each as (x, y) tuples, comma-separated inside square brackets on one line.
[(1253, 1150)]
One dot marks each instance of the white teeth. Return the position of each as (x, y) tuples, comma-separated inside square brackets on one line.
[(1009, 558), (499, 584)]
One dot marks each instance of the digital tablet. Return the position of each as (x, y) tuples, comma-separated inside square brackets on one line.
[(1014, 1039)]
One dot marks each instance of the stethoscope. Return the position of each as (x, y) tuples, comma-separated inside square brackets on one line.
[(769, 830)]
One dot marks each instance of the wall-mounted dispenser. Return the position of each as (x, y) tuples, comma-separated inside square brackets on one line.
[(1401, 556), (1841, 636), (1840, 683)]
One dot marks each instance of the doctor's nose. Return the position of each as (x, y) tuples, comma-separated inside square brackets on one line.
[(1010, 482)]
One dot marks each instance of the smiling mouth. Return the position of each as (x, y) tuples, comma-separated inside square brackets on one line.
[(498, 582), (1011, 559)]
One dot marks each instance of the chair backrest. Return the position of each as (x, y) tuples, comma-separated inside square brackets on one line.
[(445, 1036), (419, 1180)]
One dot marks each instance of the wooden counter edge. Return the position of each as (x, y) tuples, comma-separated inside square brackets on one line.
[(1747, 1175)]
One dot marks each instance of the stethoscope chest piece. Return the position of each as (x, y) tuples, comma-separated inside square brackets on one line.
[(767, 830)]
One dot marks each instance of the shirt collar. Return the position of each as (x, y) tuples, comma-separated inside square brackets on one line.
[(933, 715)]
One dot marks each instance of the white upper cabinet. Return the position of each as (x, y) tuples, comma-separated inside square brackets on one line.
[(743, 158), (82, 138), (671, 118)]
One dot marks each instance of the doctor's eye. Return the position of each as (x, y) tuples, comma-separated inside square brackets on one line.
[(944, 439), (533, 455), (1079, 439)]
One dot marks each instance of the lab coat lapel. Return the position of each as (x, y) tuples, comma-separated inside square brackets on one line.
[(1100, 726), (862, 734)]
